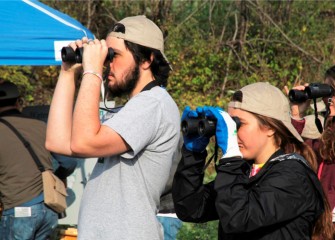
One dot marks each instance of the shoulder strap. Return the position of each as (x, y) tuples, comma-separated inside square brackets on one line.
[(25, 143), (150, 85)]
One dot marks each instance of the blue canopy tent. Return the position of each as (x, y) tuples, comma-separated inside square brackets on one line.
[(33, 33)]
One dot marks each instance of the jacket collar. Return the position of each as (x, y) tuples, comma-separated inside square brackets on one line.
[(276, 157)]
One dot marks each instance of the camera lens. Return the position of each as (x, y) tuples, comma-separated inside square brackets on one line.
[(206, 127), (312, 91), (237, 121), (71, 56), (189, 127), (68, 54), (297, 96), (316, 90), (79, 55)]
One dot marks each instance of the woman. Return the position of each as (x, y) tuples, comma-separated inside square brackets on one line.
[(324, 147), (327, 146), (275, 194)]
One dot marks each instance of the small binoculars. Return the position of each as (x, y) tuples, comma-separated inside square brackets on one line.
[(71, 56)]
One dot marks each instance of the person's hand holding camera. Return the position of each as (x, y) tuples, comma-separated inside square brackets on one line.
[(194, 143), (298, 109), (226, 131)]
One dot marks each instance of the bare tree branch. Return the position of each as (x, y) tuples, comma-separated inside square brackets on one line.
[(282, 32), (225, 80), (189, 16), (224, 27)]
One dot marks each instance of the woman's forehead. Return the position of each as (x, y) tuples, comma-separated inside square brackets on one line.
[(238, 112)]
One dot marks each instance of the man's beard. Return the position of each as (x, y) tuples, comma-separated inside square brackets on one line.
[(125, 87)]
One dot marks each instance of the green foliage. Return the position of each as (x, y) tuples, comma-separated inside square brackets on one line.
[(198, 71), (215, 48), (19, 76), (198, 231), (35, 83)]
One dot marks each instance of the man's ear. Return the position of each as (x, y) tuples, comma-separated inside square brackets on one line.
[(146, 65)]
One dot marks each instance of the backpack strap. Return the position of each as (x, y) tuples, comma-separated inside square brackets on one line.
[(25, 143)]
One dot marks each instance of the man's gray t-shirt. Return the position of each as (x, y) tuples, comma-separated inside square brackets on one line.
[(121, 199)]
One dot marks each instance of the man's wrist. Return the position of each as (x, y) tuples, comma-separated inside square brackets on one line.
[(93, 73)]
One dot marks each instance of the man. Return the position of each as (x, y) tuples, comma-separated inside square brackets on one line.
[(25, 215), (135, 146)]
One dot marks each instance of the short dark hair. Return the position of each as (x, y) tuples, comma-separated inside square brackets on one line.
[(159, 67), (330, 73)]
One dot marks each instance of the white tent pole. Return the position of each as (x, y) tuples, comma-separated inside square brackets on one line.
[(53, 15)]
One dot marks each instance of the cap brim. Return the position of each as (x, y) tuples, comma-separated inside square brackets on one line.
[(167, 61), (294, 132)]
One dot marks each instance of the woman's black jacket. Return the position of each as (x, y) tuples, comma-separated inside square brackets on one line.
[(283, 201)]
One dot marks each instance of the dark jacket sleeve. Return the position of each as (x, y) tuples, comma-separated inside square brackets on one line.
[(193, 200), (65, 165), (282, 193)]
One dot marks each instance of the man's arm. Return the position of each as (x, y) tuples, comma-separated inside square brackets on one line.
[(78, 131), (58, 135), (89, 138)]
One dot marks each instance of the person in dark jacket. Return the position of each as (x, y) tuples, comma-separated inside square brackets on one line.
[(266, 186), (324, 146)]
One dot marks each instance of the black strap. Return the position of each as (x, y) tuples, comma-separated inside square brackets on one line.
[(25, 143), (150, 85), (214, 156), (317, 120)]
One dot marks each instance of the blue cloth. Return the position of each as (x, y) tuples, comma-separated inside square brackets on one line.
[(31, 32), (64, 165), (226, 131), (39, 226), (171, 227)]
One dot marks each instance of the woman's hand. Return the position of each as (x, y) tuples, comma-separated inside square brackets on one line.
[(298, 110)]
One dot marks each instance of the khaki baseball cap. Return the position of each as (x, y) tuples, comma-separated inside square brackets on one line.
[(310, 130), (264, 99), (142, 31)]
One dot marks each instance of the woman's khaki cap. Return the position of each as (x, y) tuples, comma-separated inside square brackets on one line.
[(266, 100), (310, 130), (142, 31)]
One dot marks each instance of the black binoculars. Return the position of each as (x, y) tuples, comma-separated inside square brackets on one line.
[(312, 91), (71, 56), (202, 126)]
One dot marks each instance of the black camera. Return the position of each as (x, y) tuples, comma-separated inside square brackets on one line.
[(314, 90), (71, 56), (202, 126)]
